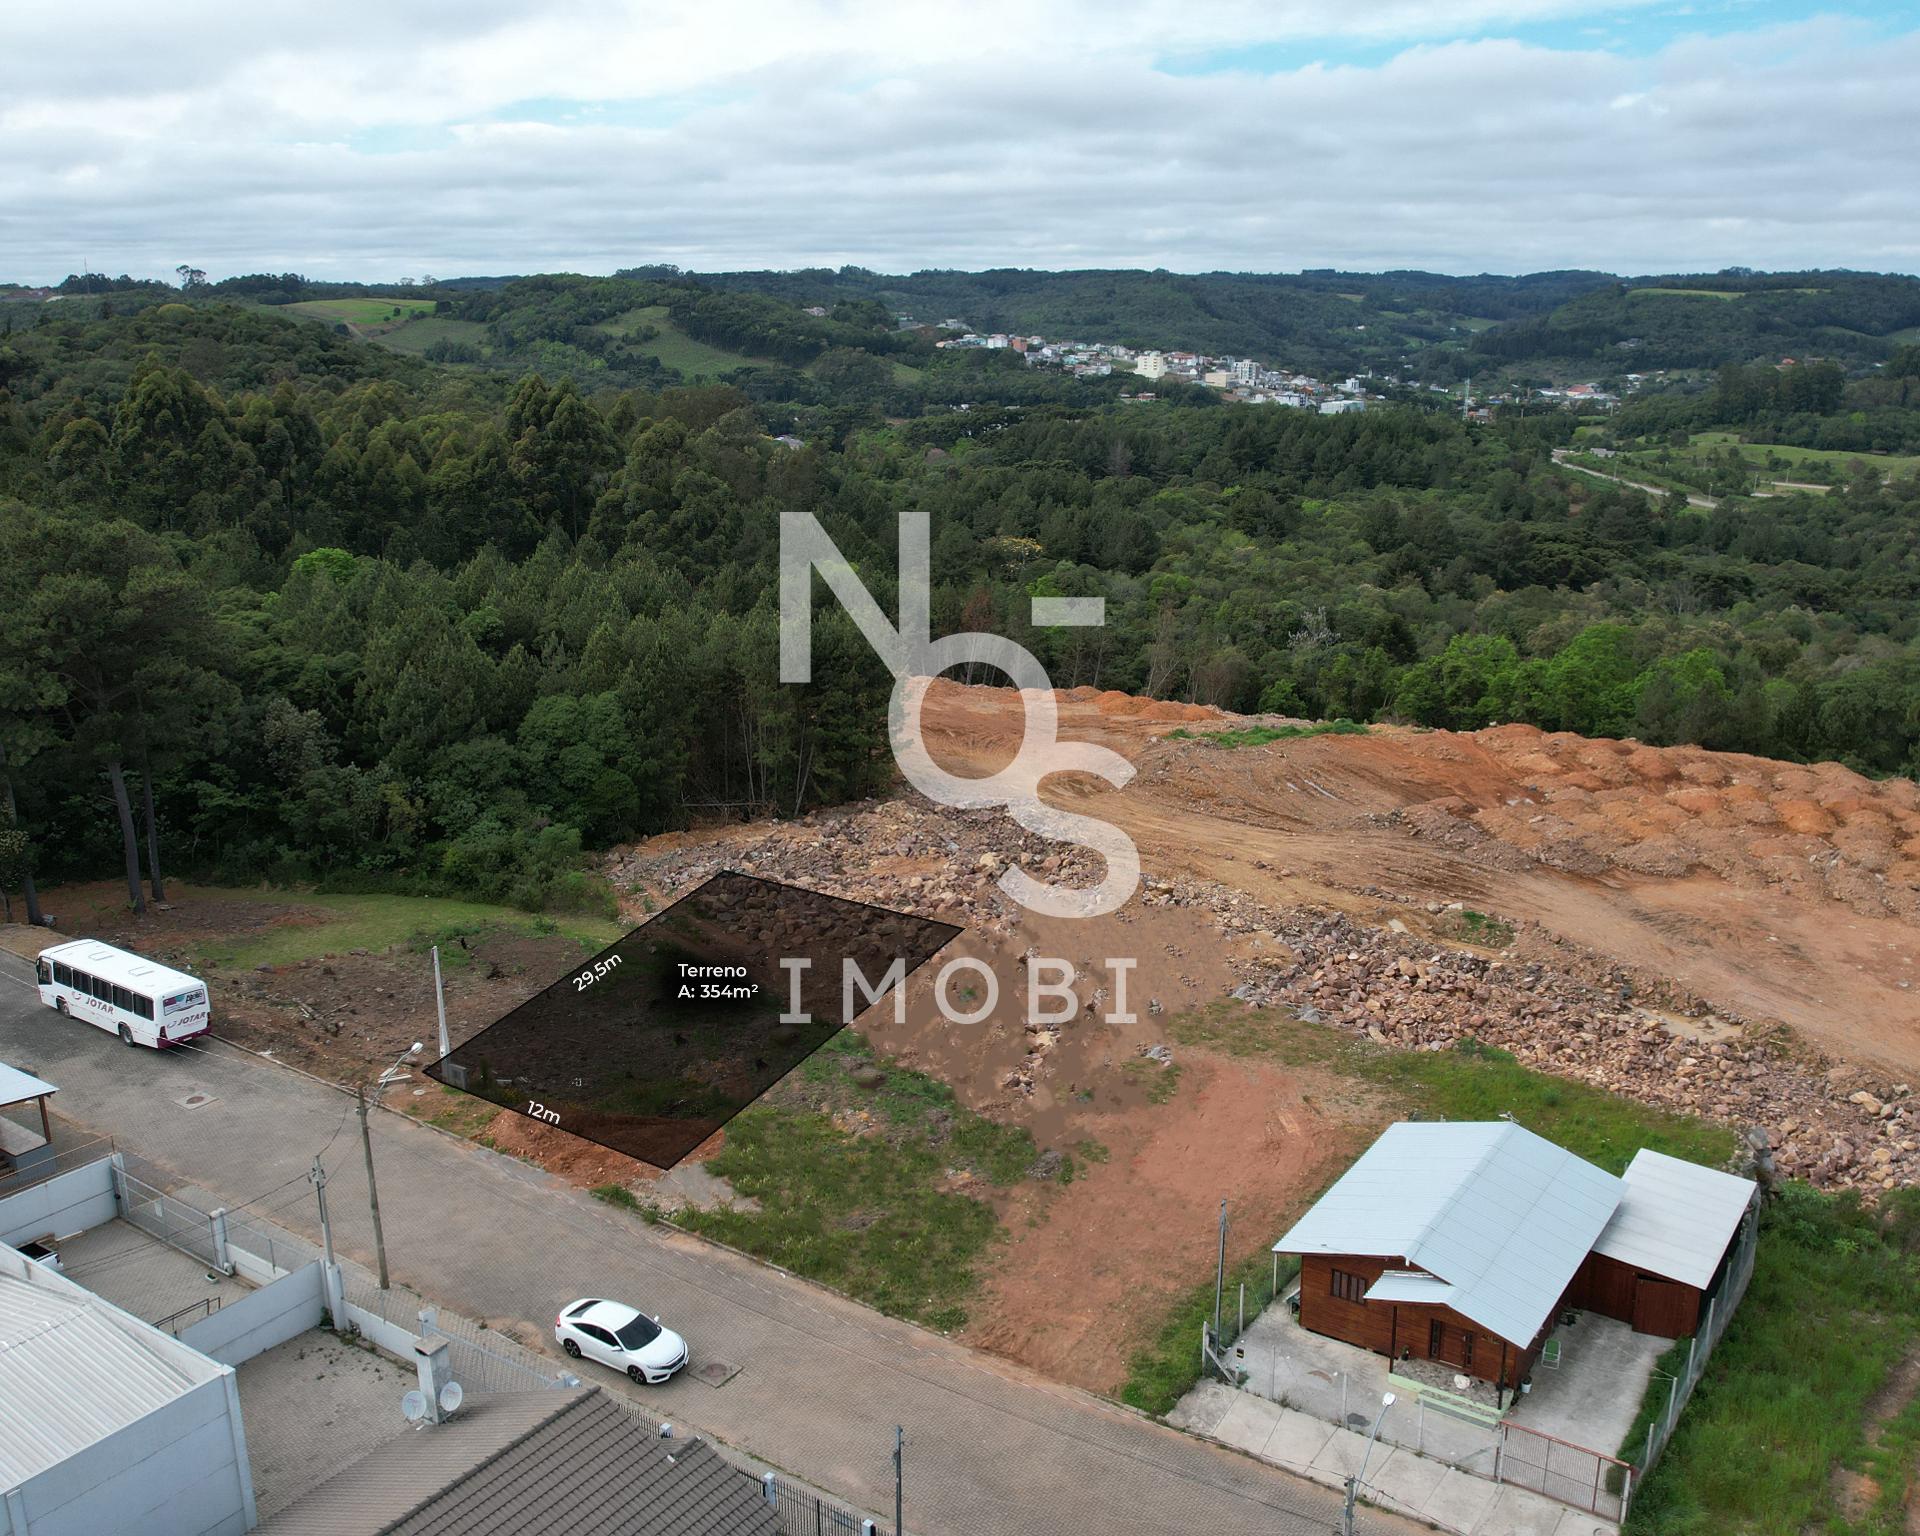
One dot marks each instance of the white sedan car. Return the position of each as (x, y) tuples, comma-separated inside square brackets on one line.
[(618, 1336)]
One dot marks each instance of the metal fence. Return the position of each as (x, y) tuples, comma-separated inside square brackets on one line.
[(498, 1364), (1720, 1306), (171, 1220), (1573, 1474), (800, 1512)]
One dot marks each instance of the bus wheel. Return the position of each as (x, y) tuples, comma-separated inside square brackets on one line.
[(126, 1035), (59, 1005)]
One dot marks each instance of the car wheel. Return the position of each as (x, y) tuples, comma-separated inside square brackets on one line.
[(572, 1349), (637, 1374), (126, 1035)]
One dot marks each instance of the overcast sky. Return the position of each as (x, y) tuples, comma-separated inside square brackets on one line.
[(362, 140)]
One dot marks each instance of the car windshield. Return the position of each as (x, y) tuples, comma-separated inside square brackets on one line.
[(638, 1334)]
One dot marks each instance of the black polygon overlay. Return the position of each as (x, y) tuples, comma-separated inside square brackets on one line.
[(650, 1060)]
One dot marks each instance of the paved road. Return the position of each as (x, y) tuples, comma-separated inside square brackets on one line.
[(1693, 498), (991, 1450)]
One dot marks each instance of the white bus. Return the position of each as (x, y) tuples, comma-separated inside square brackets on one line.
[(141, 1000)]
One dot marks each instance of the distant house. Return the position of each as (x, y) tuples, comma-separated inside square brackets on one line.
[(561, 1460), (1463, 1242)]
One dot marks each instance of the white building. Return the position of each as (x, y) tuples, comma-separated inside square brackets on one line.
[(1150, 365), (1341, 407), (109, 1427)]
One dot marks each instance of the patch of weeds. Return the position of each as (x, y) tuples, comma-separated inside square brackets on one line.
[(865, 1215), (1260, 735), (884, 1216), (616, 1194), (1471, 927), (1092, 1151), (1160, 1079), (1167, 1367)]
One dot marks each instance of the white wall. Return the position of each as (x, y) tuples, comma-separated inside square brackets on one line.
[(180, 1471), (269, 1316), (67, 1203)]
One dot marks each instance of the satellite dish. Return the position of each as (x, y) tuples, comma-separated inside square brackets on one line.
[(451, 1396), (414, 1406)]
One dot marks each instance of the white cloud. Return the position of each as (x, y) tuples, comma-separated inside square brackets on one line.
[(587, 135)]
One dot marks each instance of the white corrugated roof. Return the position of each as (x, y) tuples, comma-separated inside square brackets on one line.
[(1503, 1216), (1675, 1217), (16, 1087), (1404, 1285), (74, 1369)]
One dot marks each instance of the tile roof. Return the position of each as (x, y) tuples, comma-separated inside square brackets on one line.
[(1501, 1215), (562, 1460)]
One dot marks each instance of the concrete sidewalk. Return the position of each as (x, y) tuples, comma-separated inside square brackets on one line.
[(992, 1450), (1397, 1479)]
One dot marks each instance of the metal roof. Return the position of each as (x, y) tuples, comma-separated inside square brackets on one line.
[(1675, 1218), (1505, 1217), (120, 966), (16, 1087), (1405, 1285), (74, 1369), (556, 1460)]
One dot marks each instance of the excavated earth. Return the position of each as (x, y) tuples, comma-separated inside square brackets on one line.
[(1705, 932)]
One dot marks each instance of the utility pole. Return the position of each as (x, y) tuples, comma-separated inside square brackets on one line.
[(319, 1178), (899, 1482), (373, 1191), (1353, 1483), (366, 1145), (1220, 1273), (440, 1000), (329, 1270)]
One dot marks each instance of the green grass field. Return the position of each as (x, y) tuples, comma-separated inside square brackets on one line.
[(290, 926), (873, 1215), (1690, 293), (1703, 443), (417, 335), (674, 347), (362, 314)]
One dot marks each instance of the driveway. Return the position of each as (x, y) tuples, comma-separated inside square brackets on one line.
[(991, 1450)]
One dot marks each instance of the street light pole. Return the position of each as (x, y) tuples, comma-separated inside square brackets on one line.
[(1353, 1483), (899, 1480), (366, 1146)]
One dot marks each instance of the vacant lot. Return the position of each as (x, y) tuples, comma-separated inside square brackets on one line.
[(366, 316), (674, 347)]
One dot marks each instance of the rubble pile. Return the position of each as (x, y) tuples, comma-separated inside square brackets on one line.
[(1553, 1006)]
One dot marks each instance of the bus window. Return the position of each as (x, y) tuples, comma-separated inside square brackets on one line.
[(143, 1006), (99, 990), (121, 998), (63, 974), (44, 971)]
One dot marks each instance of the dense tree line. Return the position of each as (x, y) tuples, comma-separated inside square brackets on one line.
[(273, 602)]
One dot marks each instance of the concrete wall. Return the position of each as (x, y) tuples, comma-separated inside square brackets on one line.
[(180, 1471), (391, 1337), (272, 1315), (67, 1203)]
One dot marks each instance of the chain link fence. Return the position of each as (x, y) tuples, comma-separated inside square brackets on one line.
[(1717, 1313), (171, 1220)]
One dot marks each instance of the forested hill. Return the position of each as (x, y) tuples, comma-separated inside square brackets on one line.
[(655, 325), (366, 618)]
